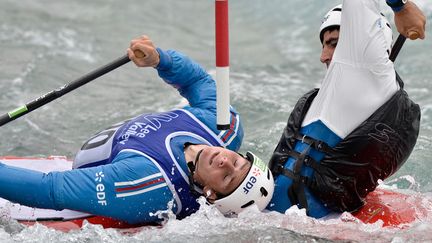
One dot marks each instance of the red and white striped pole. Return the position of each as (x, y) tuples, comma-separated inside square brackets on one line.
[(222, 65)]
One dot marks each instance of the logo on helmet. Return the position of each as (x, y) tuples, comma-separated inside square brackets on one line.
[(260, 164), (256, 172), (325, 18), (250, 184)]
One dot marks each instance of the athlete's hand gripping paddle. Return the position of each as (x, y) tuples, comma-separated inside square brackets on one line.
[(410, 21), (52, 95), (143, 52)]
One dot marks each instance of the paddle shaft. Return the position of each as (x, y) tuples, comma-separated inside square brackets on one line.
[(397, 47), (46, 98)]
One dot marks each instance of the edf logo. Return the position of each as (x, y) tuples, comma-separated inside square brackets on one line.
[(99, 176), (100, 189), (250, 184)]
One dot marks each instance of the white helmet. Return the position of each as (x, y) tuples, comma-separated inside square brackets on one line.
[(333, 19), (256, 189)]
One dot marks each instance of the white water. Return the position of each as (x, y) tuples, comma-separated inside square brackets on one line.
[(208, 225)]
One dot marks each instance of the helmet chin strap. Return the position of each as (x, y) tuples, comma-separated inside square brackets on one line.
[(197, 189), (194, 187)]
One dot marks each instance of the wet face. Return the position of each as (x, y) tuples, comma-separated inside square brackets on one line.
[(330, 40), (220, 169)]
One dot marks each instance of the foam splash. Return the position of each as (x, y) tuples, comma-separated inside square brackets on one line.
[(209, 225)]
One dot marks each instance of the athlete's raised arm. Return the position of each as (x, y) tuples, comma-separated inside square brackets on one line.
[(178, 70)]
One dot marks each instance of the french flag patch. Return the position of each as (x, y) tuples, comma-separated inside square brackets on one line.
[(143, 185), (228, 136)]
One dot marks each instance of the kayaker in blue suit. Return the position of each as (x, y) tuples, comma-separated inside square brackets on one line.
[(360, 126), (138, 167)]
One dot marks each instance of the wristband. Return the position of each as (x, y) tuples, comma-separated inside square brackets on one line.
[(396, 5)]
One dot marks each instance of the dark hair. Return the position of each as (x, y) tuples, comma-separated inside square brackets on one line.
[(329, 28)]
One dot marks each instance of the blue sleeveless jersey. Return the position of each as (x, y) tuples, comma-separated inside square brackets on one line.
[(150, 135)]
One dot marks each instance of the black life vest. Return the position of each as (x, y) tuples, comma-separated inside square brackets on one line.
[(350, 170)]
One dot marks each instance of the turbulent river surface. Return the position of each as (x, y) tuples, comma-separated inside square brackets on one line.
[(275, 51)]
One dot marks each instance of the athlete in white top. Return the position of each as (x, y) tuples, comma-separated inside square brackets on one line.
[(360, 126), (359, 80)]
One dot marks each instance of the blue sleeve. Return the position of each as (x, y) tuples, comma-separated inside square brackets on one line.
[(27, 187), (92, 190), (189, 78), (199, 88)]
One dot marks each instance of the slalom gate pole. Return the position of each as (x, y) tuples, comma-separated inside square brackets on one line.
[(222, 65)]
